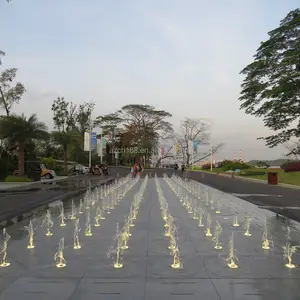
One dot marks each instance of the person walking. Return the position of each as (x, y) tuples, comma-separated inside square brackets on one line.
[(175, 168), (140, 169), (182, 168), (135, 170)]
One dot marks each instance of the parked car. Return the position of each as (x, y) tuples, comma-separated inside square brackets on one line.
[(47, 173), (81, 169), (37, 170)]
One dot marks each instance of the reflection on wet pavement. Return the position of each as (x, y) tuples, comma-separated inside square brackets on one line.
[(146, 274)]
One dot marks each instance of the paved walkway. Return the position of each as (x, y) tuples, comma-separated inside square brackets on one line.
[(146, 272)]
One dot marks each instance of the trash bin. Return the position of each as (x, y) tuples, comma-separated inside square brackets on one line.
[(272, 178)]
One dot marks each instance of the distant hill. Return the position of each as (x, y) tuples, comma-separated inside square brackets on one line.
[(276, 162)]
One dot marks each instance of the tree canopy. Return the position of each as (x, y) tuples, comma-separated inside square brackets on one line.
[(136, 126), (271, 88), (10, 93)]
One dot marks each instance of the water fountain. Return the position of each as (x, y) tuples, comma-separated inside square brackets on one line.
[(62, 216), (247, 224), (88, 227), (216, 238), (75, 235), (30, 230), (288, 251), (124, 237), (73, 213), (173, 238), (81, 211), (232, 259), (208, 225), (177, 264), (266, 242), (236, 222), (168, 228), (195, 214), (47, 221), (97, 217), (59, 255), (201, 213), (4, 262), (218, 207), (118, 238)]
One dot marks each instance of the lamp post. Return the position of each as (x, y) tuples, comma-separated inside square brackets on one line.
[(90, 147)]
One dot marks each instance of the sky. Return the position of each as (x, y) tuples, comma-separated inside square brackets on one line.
[(182, 56)]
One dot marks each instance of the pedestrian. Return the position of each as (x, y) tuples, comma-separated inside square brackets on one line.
[(140, 168), (175, 168), (182, 168), (135, 170)]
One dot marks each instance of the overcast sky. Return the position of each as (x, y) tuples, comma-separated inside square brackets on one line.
[(183, 56)]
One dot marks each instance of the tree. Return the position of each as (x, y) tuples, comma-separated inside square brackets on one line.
[(83, 117), (9, 93), (136, 125), (64, 118), (20, 130), (195, 130), (294, 149), (148, 125), (271, 88), (262, 164)]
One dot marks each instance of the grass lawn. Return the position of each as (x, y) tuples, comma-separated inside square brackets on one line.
[(287, 178)]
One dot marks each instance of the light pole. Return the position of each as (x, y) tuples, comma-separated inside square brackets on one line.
[(90, 148), (211, 157)]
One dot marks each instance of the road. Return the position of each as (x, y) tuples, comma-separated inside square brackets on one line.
[(17, 201)]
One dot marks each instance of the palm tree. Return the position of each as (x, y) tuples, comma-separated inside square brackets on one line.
[(19, 130), (65, 139)]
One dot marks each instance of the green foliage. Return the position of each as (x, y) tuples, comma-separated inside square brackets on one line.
[(10, 93), (286, 163), (49, 163), (207, 166), (20, 129), (262, 163), (271, 85), (252, 173), (12, 178), (236, 165), (224, 163)]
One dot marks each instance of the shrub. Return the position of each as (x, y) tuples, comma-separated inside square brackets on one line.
[(207, 166), (252, 173), (292, 167), (196, 168), (286, 163), (49, 163), (236, 165), (262, 164), (12, 178), (224, 163)]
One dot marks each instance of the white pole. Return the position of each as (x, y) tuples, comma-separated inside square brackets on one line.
[(211, 158), (90, 150), (101, 150)]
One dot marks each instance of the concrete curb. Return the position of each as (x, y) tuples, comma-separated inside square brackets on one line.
[(28, 211), (27, 187)]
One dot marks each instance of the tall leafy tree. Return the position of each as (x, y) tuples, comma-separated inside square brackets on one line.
[(271, 88), (21, 130), (64, 118), (10, 92)]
